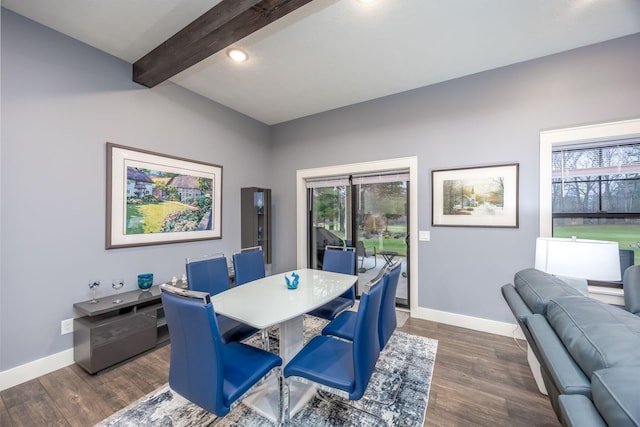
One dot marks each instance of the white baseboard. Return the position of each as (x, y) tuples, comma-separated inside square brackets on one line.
[(35, 369), (510, 330)]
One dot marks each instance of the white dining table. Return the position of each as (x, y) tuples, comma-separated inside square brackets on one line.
[(268, 302)]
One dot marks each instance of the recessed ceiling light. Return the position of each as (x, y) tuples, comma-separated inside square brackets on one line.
[(237, 55), (367, 1)]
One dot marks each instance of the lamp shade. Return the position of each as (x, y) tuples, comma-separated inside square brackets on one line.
[(581, 258)]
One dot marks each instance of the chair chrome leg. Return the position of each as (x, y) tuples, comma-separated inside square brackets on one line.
[(286, 402), (265, 339), (281, 405), (216, 421)]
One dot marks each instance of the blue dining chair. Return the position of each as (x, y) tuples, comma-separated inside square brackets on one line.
[(203, 368), (210, 274), (342, 367), (338, 259), (248, 265), (343, 326)]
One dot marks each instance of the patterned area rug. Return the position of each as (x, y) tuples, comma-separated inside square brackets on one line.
[(397, 394)]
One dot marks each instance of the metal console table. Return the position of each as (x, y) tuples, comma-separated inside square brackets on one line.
[(109, 333)]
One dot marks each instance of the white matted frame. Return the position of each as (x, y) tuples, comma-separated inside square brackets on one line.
[(154, 198), (481, 196)]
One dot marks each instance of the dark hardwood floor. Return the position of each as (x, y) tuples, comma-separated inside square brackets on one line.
[(479, 379)]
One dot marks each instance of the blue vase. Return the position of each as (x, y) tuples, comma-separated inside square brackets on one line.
[(145, 281)]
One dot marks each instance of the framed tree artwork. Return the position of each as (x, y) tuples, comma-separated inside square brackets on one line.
[(484, 196)]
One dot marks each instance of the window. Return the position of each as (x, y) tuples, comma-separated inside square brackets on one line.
[(591, 192), (596, 192)]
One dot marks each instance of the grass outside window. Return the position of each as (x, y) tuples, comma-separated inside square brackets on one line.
[(627, 235)]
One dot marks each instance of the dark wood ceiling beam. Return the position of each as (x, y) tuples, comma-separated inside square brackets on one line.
[(223, 25)]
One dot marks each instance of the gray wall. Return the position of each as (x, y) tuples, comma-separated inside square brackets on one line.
[(491, 117), (61, 102)]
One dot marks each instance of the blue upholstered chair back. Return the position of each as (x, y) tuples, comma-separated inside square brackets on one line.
[(208, 274), (366, 341), (388, 322), (196, 369), (341, 261), (248, 266)]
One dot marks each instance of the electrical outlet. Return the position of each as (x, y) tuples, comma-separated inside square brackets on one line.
[(66, 326)]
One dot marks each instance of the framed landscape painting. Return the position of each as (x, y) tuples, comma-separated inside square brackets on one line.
[(485, 196), (154, 198)]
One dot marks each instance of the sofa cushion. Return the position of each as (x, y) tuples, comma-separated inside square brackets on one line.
[(597, 335), (536, 288), (616, 394)]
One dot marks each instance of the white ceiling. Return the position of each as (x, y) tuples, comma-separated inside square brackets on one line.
[(333, 53)]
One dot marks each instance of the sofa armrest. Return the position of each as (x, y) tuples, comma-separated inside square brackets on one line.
[(518, 307), (578, 411), (520, 311), (566, 375), (631, 286)]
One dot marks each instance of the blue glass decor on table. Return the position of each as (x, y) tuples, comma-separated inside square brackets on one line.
[(292, 283), (145, 281)]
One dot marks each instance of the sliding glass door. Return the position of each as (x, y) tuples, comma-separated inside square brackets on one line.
[(381, 225), (368, 212), (329, 217)]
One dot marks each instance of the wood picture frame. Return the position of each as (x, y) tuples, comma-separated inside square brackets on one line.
[(481, 196), (155, 198)]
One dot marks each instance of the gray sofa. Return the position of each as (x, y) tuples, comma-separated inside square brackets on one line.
[(589, 351)]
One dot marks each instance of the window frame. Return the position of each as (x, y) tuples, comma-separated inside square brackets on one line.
[(555, 138), (596, 175), (570, 136), (376, 166)]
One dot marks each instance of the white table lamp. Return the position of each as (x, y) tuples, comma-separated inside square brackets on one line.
[(579, 258)]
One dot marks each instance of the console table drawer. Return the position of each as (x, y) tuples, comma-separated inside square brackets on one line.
[(103, 342)]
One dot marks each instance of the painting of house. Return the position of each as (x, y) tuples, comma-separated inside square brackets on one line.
[(186, 185), (138, 183)]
